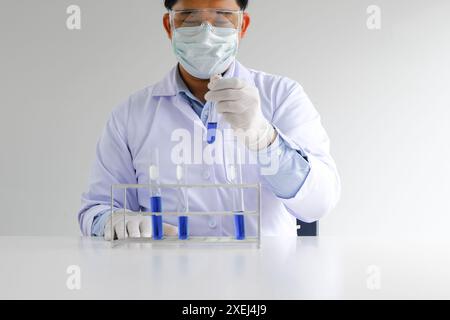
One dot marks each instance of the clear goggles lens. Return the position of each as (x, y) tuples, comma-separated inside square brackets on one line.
[(216, 17)]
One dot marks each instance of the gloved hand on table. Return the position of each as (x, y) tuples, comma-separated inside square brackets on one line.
[(240, 105), (136, 226)]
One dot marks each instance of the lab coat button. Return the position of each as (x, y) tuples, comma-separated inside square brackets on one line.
[(206, 174), (212, 224)]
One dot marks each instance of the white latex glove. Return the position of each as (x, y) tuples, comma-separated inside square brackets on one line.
[(136, 226), (240, 106)]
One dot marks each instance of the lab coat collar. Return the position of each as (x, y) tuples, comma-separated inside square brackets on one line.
[(169, 86)]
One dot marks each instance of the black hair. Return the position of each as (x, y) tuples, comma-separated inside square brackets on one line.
[(170, 3)]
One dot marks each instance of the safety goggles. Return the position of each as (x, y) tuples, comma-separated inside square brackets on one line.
[(219, 18)]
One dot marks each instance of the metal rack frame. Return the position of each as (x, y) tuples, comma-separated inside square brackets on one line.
[(192, 239)]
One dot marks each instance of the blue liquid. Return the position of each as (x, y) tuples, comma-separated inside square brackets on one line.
[(183, 228), (157, 224), (211, 132), (239, 226)]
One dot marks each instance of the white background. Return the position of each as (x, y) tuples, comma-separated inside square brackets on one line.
[(383, 95)]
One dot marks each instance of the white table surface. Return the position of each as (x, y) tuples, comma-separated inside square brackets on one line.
[(284, 268)]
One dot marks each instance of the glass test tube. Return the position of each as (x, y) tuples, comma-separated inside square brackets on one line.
[(238, 201), (211, 127), (155, 197), (239, 218), (183, 205)]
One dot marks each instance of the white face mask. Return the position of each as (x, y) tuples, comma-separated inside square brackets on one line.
[(205, 50)]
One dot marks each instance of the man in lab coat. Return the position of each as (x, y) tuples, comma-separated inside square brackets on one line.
[(275, 125)]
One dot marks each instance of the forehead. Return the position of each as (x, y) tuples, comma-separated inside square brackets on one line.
[(201, 4)]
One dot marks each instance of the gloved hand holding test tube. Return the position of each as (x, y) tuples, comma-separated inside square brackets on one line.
[(212, 117)]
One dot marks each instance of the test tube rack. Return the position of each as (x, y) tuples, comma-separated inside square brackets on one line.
[(167, 240)]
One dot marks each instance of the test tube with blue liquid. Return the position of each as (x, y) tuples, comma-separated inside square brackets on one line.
[(211, 127), (235, 176), (183, 205), (155, 197)]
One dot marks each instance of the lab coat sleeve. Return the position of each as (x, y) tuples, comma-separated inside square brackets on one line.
[(292, 168), (112, 165), (299, 124)]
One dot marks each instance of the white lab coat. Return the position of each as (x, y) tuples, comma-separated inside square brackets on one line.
[(148, 119)]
